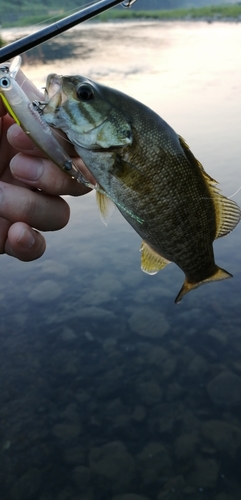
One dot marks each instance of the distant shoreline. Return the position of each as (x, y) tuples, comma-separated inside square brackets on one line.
[(226, 13)]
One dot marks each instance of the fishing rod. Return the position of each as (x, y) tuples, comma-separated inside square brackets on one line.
[(28, 42)]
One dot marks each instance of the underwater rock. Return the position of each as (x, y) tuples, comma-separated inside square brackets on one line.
[(26, 486), (113, 466), (225, 389), (168, 367), (75, 455), (185, 446), (174, 391), (66, 494), (153, 355), (49, 266), (139, 413), (150, 393), (154, 460), (109, 383), (129, 496), (197, 367), (205, 474), (46, 291), (66, 432), (220, 337), (96, 296), (148, 323), (173, 489), (223, 496), (109, 344), (70, 413), (89, 336), (94, 312), (224, 437), (67, 334), (82, 479)]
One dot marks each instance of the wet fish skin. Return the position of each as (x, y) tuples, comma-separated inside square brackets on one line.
[(149, 172)]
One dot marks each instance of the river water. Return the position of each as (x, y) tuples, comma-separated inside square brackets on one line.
[(110, 391)]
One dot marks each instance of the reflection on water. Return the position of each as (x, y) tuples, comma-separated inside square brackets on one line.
[(108, 390)]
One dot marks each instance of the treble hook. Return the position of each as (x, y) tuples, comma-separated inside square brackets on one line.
[(128, 3)]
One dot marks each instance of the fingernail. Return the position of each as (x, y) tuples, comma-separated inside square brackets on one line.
[(26, 238), (26, 168)]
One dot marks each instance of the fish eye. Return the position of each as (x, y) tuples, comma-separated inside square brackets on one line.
[(85, 92)]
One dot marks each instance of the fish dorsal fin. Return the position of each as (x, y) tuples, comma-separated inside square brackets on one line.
[(151, 261), (193, 160), (106, 206), (227, 212), (219, 274)]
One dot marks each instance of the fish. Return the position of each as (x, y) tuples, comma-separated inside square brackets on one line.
[(142, 165)]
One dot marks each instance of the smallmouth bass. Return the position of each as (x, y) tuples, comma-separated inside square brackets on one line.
[(149, 172)]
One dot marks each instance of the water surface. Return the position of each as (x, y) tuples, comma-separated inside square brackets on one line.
[(109, 391)]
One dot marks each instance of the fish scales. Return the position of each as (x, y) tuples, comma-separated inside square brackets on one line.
[(149, 172)]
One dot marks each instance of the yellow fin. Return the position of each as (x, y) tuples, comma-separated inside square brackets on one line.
[(227, 212), (105, 205), (219, 274), (151, 261), (193, 160)]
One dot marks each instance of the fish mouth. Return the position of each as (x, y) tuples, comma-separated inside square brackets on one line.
[(54, 97), (53, 85)]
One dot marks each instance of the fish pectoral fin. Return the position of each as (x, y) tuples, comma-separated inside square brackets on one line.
[(105, 204), (188, 286), (151, 261)]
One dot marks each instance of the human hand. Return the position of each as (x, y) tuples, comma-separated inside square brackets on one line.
[(30, 186)]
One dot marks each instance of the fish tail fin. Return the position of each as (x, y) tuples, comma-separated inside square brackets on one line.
[(188, 286)]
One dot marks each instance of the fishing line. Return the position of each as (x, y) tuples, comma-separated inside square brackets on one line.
[(228, 197), (64, 13), (232, 195), (56, 132)]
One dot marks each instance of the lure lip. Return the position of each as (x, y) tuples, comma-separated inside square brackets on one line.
[(30, 41)]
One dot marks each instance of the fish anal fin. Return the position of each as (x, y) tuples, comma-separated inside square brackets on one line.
[(105, 204), (188, 286), (151, 261)]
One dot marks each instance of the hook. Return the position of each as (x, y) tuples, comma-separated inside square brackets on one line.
[(128, 3)]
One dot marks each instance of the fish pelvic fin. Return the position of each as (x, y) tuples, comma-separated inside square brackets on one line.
[(151, 261), (188, 286)]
